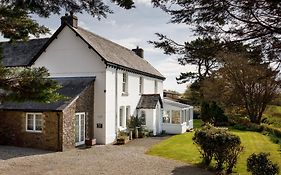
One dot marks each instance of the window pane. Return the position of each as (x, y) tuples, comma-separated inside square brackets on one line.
[(166, 117), (143, 118), (82, 134), (38, 122), (30, 122), (176, 117), (121, 116)]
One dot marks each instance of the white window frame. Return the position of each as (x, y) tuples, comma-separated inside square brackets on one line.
[(125, 83), (141, 85), (81, 142), (34, 122), (122, 116), (128, 114)]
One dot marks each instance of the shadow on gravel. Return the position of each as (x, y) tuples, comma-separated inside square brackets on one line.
[(188, 169), (9, 152)]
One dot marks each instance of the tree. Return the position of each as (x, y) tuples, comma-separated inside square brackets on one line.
[(16, 23), (254, 21), (22, 84), (200, 52), (243, 82)]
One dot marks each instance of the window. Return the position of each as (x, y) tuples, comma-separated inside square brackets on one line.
[(125, 83), (143, 118), (121, 117), (155, 87), (141, 85), (128, 114), (34, 122), (166, 117), (176, 117)]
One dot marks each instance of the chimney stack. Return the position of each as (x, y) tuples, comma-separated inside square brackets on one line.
[(138, 51), (70, 20)]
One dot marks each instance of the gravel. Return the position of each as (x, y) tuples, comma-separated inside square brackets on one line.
[(129, 159)]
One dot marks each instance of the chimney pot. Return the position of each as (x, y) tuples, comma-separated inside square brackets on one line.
[(70, 20), (138, 51)]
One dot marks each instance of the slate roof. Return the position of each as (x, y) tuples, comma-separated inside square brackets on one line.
[(149, 101), (71, 88), (115, 54), (175, 104), (21, 53), (26, 53)]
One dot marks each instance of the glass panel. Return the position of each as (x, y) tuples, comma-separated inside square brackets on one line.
[(38, 122), (166, 117), (143, 118), (121, 116), (76, 128), (176, 117), (30, 122), (82, 132)]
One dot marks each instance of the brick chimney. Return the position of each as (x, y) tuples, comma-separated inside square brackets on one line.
[(70, 20), (138, 51)]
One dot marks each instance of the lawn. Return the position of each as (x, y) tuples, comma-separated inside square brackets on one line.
[(180, 147), (273, 115)]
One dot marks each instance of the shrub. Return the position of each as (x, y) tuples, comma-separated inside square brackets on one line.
[(212, 113), (259, 164), (219, 144)]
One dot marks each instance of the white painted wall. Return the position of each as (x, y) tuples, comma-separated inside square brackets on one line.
[(69, 56), (131, 99), (174, 128)]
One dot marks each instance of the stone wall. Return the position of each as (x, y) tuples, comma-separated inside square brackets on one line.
[(13, 131), (84, 103)]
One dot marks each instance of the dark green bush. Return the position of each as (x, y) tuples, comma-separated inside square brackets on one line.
[(213, 114), (219, 144), (260, 164)]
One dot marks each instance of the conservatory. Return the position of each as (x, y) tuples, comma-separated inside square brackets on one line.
[(177, 117)]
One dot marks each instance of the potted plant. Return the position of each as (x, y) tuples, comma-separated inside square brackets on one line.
[(122, 138)]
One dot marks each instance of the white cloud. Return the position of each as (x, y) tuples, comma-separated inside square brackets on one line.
[(144, 2), (129, 43)]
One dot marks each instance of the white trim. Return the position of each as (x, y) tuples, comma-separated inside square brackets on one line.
[(81, 142), (34, 122)]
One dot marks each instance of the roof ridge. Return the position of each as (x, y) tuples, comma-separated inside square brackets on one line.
[(21, 41)]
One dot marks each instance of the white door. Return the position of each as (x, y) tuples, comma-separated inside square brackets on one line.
[(79, 129)]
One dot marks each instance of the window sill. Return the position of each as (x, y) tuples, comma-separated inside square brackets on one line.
[(30, 131), (125, 93), (121, 128)]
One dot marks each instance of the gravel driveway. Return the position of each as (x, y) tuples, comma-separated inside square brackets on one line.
[(128, 159)]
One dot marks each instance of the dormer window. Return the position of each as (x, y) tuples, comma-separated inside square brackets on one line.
[(141, 85), (125, 83)]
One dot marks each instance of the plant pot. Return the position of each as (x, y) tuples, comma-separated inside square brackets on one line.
[(90, 142), (122, 141)]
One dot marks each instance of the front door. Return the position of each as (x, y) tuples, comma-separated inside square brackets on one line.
[(79, 129)]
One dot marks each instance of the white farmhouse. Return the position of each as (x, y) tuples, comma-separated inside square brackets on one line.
[(107, 84)]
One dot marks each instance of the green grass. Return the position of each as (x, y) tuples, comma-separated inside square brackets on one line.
[(197, 123), (181, 147), (273, 115)]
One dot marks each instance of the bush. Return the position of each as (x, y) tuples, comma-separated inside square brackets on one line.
[(212, 113), (259, 164), (219, 144)]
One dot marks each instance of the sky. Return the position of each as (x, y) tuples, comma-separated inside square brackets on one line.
[(135, 27)]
